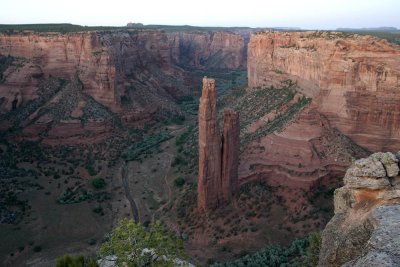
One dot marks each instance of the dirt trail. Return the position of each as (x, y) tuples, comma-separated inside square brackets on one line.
[(128, 190), (135, 211)]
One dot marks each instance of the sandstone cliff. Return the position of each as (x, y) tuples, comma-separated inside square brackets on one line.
[(64, 55), (218, 155), (138, 67), (364, 230), (211, 50), (353, 79)]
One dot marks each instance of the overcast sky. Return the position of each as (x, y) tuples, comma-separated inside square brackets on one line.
[(308, 14)]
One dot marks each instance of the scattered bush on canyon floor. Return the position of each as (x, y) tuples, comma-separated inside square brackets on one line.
[(179, 181), (302, 252), (98, 183)]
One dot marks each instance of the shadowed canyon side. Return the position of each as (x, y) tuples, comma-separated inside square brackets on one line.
[(364, 230), (354, 80), (218, 155)]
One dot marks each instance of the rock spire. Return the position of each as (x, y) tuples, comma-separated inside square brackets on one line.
[(218, 155)]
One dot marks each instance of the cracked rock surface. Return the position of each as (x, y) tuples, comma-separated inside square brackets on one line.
[(364, 230)]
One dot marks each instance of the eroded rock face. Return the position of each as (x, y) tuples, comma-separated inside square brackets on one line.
[(209, 181), (65, 55), (218, 155), (208, 49), (353, 79), (364, 230), (142, 67), (230, 153)]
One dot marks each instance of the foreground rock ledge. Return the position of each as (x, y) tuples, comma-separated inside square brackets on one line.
[(365, 228)]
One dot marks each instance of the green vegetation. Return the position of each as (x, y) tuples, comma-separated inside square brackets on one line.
[(178, 160), (314, 245), (5, 62), (135, 245), (180, 140), (98, 183), (71, 196), (146, 144), (179, 181), (302, 252), (178, 119), (76, 261)]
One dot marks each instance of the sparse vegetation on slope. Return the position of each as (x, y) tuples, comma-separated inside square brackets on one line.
[(135, 245)]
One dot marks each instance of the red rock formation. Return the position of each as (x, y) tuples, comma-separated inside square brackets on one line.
[(230, 154), (209, 182), (218, 172), (223, 50), (64, 55), (354, 79), (118, 65)]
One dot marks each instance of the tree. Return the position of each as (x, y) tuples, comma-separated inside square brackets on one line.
[(314, 244), (76, 261), (134, 245)]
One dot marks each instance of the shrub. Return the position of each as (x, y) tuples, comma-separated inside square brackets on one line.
[(76, 261), (178, 160), (179, 181), (163, 247), (98, 183)]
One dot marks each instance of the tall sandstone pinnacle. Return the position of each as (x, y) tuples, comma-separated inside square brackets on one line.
[(230, 153), (218, 155)]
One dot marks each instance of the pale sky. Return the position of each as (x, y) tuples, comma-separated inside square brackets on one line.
[(307, 14)]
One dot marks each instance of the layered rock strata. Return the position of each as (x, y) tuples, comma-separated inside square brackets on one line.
[(218, 155), (230, 153), (139, 66), (209, 181), (353, 79), (364, 229)]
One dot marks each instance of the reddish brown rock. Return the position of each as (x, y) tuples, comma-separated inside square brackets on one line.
[(209, 182), (353, 79), (201, 50), (218, 155), (230, 154)]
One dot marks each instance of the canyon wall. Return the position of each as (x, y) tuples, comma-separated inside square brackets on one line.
[(354, 80), (66, 55), (208, 50), (136, 67), (364, 229), (218, 155)]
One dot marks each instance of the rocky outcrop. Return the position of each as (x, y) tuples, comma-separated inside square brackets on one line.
[(364, 230), (209, 181), (230, 153), (353, 79), (218, 172)]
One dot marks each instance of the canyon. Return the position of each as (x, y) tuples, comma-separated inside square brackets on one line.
[(123, 106)]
